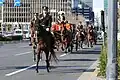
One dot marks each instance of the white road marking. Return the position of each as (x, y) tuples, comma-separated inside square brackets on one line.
[(24, 46), (21, 70), (63, 55), (18, 71), (22, 53)]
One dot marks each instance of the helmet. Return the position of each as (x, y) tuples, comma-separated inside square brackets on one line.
[(61, 12), (36, 14), (45, 8)]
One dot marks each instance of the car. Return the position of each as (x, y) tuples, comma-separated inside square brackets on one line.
[(26, 34), (99, 35), (18, 32)]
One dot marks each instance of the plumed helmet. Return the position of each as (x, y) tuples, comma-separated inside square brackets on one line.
[(45, 8)]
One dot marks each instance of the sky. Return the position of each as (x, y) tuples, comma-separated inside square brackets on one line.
[(98, 5)]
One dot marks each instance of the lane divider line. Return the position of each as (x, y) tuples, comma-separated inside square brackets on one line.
[(63, 55), (21, 70), (22, 53), (18, 71)]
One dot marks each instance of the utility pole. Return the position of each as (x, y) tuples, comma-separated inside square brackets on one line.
[(103, 25), (111, 69)]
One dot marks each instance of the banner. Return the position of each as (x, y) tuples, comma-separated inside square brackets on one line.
[(17, 3)]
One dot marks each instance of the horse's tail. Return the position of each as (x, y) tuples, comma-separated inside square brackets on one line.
[(54, 55)]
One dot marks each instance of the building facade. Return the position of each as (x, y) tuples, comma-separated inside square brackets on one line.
[(84, 7), (21, 16)]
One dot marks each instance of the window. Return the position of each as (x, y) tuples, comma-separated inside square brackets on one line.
[(18, 31)]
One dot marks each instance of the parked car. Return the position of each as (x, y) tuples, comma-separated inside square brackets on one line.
[(18, 34), (26, 34), (99, 35)]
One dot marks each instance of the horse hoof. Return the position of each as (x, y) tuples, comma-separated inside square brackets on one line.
[(69, 50), (34, 60), (65, 51), (37, 71), (48, 70)]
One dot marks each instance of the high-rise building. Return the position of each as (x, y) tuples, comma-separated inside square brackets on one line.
[(21, 16), (84, 7)]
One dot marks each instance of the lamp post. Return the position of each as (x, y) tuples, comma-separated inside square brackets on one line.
[(111, 69)]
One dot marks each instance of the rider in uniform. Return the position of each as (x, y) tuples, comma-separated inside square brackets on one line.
[(34, 27), (46, 18), (43, 20)]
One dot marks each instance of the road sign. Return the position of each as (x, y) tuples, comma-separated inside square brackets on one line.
[(17, 3)]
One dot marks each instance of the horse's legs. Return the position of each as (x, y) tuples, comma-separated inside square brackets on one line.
[(91, 43), (77, 45), (34, 49), (38, 59), (47, 60), (38, 56), (81, 44)]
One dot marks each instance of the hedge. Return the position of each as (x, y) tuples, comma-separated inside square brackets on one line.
[(103, 60)]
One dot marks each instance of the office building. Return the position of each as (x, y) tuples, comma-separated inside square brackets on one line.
[(83, 7), (21, 16)]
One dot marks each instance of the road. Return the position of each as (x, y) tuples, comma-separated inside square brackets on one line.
[(16, 63)]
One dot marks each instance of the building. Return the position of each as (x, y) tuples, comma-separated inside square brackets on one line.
[(84, 7), (14, 17)]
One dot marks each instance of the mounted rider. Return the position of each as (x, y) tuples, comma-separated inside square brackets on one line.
[(80, 29), (44, 21), (61, 17), (46, 18)]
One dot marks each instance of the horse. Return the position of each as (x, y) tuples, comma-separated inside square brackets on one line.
[(90, 37), (80, 37), (56, 30), (45, 45), (66, 37), (33, 40)]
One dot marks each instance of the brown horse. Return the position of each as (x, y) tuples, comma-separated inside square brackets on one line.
[(80, 37), (90, 36), (33, 40), (66, 37), (45, 45)]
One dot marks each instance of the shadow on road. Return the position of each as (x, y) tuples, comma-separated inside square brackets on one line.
[(87, 52), (77, 59), (55, 69)]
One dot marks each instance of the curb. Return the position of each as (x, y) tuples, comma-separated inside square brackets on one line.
[(88, 75), (11, 42)]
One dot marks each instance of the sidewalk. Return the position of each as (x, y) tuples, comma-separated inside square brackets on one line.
[(91, 75)]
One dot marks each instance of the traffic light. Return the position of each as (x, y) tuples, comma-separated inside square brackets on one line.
[(1, 2), (17, 3), (103, 21)]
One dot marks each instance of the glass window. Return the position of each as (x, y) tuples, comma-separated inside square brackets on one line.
[(18, 31)]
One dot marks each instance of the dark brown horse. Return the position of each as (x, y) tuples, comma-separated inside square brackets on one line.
[(45, 44)]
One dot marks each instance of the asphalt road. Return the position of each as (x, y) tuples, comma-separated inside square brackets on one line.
[(16, 63)]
